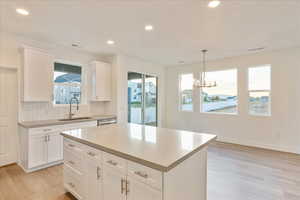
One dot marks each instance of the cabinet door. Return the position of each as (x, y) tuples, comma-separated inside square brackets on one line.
[(37, 75), (112, 184), (93, 180), (55, 147), (102, 78), (137, 191), (37, 150)]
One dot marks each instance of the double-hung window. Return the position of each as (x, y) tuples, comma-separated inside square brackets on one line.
[(186, 92), (222, 98), (67, 83), (259, 88)]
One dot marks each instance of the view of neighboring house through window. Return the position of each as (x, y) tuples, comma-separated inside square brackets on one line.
[(259, 86), (67, 83), (186, 92), (223, 97)]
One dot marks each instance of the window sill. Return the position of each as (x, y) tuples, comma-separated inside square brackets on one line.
[(219, 113)]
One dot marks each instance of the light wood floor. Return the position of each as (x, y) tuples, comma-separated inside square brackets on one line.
[(234, 173)]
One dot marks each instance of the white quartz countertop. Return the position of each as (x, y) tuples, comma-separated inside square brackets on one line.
[(158, 148), (54, 122)]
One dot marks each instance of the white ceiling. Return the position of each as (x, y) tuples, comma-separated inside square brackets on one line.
[(181, 27)]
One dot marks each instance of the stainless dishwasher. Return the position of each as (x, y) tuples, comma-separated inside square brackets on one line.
[(102, 122)]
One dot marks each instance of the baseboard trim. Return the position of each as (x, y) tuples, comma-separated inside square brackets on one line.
[(40, 167), (291, 150)]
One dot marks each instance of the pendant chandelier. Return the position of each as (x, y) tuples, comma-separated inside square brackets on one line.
[(202, 82)]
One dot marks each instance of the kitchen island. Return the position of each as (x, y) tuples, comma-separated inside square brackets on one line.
[(135, 162)]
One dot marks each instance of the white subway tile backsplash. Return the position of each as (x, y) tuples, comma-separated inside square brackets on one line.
[(45, 111)]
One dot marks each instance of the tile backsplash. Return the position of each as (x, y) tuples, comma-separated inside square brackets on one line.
[(45, 111)]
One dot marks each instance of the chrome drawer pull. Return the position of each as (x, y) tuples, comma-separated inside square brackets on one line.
[(91, 154), (47, 129), (127, 187), (141, 174), (112, 162), (122, 185), (71, 162), (72, 185), (98, 173)]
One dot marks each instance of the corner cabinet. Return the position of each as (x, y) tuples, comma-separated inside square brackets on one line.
[(36, 75), (101, 77)]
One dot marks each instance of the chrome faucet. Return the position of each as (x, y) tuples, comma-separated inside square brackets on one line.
[(70, 111)]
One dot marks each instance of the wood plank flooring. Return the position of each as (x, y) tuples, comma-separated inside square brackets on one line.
[(234, 173)]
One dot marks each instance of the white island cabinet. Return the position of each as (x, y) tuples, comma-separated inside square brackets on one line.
[(135, 162)]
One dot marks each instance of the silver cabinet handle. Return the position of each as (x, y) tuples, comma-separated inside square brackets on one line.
[(45, 138), (141, 174), (122, 185), (112, 162), (71, 162), (47, 129), (98, 173), (72, 185), (48, 137), (91, 154), (127, 187)]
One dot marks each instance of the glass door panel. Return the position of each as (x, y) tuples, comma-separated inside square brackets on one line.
[(135, 98), (142, 99), (150, 100)]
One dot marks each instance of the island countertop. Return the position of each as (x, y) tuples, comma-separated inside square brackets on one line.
[(157, 148)]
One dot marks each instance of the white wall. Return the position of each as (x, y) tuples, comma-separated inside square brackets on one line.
[(121, 66), (10, 57), (280, 131)]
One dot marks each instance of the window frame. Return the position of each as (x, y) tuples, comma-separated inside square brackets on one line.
[(269, 114), (82, 88), (237, 94), (180, 93)]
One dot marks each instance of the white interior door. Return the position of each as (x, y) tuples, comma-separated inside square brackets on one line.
[(8, 116)]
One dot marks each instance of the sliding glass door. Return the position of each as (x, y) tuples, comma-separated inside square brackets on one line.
[(142, 99)]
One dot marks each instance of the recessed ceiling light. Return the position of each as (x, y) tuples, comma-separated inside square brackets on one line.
[(214, 3), (148, 27), (110, 42), (22, 11)]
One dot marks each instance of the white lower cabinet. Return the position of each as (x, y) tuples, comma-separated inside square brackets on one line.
[(113, 184), (54, 147), (37, 154), (107, 177), (137, 190), (93, 180), (43, 147)]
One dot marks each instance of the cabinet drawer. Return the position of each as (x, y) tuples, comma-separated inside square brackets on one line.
[(115, 162), (47, 129), (92, 153), (72, 182), (73, 161), (73, 146), (144, 174)]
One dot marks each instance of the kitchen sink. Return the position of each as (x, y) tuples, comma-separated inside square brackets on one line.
[(75, 118)]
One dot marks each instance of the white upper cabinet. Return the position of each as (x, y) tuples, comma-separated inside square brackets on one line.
[(37, 75), (101, 81)]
